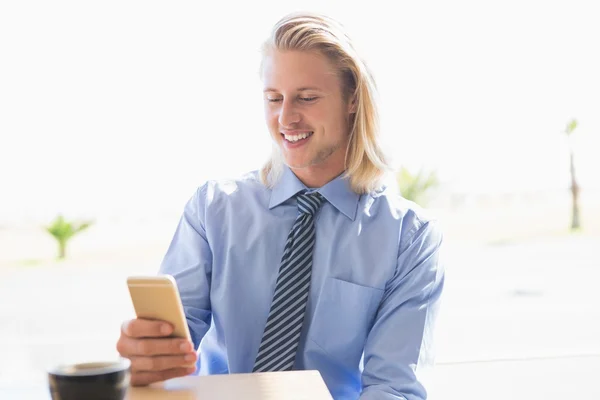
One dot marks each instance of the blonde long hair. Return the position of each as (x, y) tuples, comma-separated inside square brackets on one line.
[(366, 163)]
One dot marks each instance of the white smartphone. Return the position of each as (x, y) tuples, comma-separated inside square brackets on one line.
[(157, 298)]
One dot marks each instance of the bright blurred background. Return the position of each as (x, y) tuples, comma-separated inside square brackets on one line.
[(116, 111)]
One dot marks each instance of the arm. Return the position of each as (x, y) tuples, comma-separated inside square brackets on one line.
[(400, 341), (189, 261)]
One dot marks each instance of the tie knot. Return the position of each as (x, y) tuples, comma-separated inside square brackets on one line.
[(309, 203)]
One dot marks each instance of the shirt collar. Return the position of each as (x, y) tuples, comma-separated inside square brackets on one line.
[(337, 192)]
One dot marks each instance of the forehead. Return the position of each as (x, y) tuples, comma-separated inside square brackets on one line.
[(286, 70)]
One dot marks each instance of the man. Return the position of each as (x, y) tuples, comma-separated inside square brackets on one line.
[(310, 263)]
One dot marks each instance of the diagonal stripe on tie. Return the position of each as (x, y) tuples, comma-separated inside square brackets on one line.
[(279, 344), (289, 246), (293, 302), (294, 285), (275, 338), (293, 266), (279, 314), (290, 286), (302, 248)]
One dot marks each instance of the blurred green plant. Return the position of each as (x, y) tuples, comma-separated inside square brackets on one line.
[(63, 230), (575, 219), (417, 186)]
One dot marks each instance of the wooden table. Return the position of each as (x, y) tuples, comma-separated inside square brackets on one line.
[(291, 385)]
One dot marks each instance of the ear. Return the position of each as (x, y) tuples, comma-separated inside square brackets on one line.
[(352, 105)]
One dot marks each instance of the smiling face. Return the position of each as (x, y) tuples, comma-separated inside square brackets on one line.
[(307, 114)]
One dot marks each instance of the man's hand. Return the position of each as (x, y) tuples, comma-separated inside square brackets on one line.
[(154, 356)]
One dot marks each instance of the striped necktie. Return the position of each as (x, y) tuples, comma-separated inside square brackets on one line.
[(280, 339)]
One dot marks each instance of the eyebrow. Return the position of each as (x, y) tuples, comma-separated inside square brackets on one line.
[(300, 89)]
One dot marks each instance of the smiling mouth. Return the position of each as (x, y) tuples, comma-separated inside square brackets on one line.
[(298, 137)]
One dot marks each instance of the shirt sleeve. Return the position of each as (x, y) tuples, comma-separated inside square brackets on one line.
[(399, 345), (189, 261)]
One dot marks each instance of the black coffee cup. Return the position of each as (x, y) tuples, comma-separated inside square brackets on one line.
[(90, 381)]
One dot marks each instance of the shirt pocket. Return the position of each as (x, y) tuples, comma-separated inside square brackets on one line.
[(343, 316)]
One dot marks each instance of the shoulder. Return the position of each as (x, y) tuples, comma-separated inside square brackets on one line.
[(413, 220), (216, 192)]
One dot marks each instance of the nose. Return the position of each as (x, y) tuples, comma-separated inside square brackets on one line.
[(288, 115)]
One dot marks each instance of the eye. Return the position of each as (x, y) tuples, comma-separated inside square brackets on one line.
[(274, 100), (308, 99)]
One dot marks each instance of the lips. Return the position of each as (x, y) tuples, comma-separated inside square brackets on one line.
[(296, 136)]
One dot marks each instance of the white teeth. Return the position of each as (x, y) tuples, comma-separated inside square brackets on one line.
[(295, 138)]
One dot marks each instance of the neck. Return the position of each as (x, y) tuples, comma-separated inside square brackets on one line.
[(316, 176)]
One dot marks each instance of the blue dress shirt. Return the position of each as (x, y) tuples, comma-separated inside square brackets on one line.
[(375, 285)]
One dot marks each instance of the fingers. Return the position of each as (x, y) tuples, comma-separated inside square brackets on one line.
[(155, 357), (162, 363), (142, 328), (129, 347), (146, 378)]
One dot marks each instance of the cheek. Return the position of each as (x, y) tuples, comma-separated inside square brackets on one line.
[(326, 114), (330, 124), (271, 118)]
